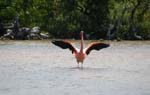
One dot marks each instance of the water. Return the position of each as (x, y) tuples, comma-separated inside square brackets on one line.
[(40, 68)]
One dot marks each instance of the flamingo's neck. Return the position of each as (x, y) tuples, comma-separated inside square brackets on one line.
[(81, 49)]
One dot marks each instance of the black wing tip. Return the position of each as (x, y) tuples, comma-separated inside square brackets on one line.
[(54, 41), (107, 45)]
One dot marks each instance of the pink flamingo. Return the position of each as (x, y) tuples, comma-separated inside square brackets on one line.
[(82, 53)]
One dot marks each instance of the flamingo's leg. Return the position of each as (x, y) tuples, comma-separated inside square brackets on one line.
[(82, 65), (78, 65)]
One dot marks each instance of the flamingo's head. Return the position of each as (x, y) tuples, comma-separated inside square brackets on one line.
[(81, 33)]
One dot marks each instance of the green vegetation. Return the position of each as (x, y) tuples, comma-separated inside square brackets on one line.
[(107, 19)]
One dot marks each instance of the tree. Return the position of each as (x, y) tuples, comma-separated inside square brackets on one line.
[(128, 18)]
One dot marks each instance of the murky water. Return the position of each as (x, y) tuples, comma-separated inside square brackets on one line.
[(40, 68)]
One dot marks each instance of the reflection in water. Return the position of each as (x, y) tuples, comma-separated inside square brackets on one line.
[(40, 68)]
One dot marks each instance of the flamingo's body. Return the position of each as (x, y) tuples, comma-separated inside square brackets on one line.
[(82, 53)]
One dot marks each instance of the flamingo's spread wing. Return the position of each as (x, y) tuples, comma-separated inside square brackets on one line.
[(65, 45), (96, 46)]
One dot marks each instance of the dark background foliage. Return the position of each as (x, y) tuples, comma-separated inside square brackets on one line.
[(100, 19)]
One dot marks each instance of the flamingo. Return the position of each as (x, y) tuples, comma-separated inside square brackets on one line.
[(81, 54)]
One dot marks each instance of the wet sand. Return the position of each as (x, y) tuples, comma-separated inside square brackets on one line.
[(40, 68)]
